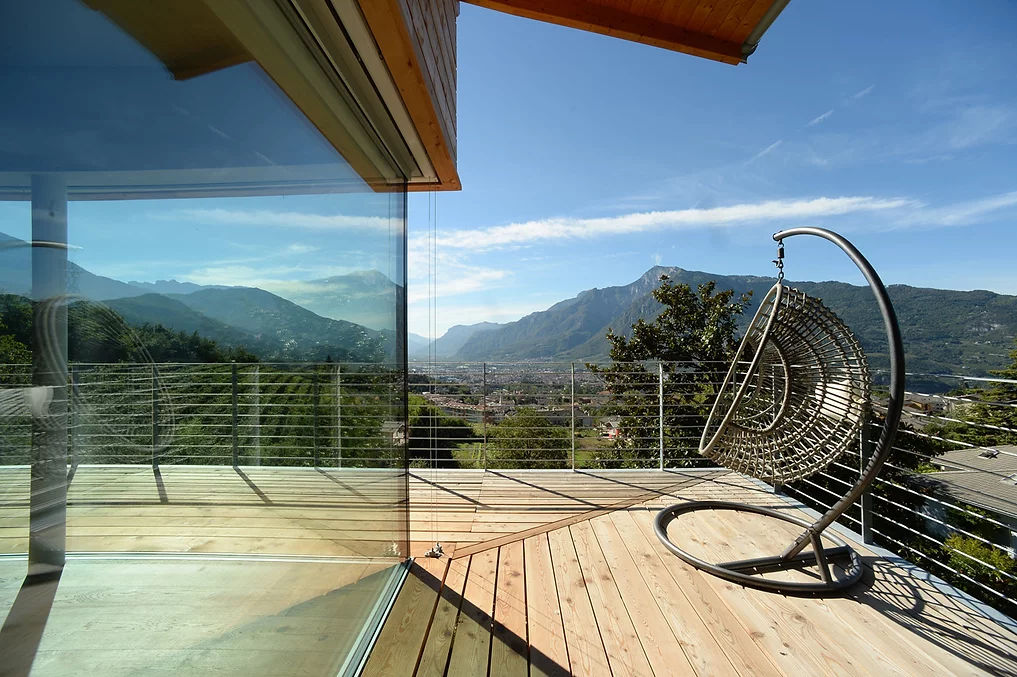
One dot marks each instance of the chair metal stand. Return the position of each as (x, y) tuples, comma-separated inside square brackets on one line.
[(786, 449)]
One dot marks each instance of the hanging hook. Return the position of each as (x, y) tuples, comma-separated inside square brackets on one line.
[(779, 261)]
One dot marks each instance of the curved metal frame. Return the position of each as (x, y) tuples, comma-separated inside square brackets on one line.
[(733, 571)]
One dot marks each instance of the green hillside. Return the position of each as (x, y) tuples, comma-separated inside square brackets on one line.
[(171, 313), (967, 332), (282, 330)]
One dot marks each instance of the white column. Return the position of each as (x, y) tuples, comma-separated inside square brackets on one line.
[(48, 506)]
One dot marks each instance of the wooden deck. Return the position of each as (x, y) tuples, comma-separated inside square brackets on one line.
[(315, 512), (592, 591), (551, 572), (221, 510), (471, 510)]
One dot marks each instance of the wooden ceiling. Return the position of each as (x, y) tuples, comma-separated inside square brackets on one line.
[(721, 30)]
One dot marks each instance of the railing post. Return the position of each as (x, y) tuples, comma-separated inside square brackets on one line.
[(573, 416), (74, 416), (314, 413), (484, 390), (257, 415), (155, 417), (660, 411), (865, 449), (236, 450), (339, 414)]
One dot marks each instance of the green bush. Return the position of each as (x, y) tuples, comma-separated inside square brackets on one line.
[(991, 569)]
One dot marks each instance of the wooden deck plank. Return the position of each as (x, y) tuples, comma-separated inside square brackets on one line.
[(624, 650), (586, 651), (471, 645), (398, 645), (669, 640), (438, 644), (620, 584), (605, 497), (731, 619), (548, 654), (509, 642), (869, 654), (701, 621), (892, 642), (949, 631), (798, 635), (982, 642), (858, 626)]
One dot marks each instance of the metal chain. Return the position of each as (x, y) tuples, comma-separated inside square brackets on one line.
[(779, 261)]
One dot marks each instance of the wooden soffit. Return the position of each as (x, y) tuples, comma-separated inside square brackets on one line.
[(721, 30)]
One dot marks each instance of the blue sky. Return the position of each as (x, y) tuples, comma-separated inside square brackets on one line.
[(585, 160)]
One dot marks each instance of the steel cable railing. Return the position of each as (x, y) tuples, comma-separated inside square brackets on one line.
[(947, 497), (556, 415), (942, 498), (221, 414)]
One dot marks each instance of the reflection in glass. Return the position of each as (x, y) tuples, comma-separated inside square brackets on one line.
[(202, 360)]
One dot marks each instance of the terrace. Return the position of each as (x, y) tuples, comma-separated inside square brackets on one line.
[(274, 518), (547, 567)]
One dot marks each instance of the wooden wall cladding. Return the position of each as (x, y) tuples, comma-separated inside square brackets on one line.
[(434, 27), (417, 39)]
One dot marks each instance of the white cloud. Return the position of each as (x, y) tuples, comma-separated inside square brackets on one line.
[(962, 213), (977, 125), (451, 281), (766, 151), (285, 280), (298, 249), (267, 217), (543, 230), (236, 275), (816, 120), (863, 93)]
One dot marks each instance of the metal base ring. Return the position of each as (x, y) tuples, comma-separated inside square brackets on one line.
[(735, 571)]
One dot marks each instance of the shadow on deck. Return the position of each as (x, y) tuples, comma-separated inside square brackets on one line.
[(596, 593)]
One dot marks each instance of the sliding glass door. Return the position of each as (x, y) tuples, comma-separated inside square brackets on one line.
[(202, 345)]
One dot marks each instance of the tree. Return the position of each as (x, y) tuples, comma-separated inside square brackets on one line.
[(997, 406), (527, 439), (12, 351), (434, 432), (991, 417), (693, 338)]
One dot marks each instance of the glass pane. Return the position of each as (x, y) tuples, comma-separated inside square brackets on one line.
[(202, 380)]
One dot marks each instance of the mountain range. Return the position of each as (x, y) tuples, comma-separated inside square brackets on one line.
[(267, 325), (364, 297), (447, 346), (270, 326), (349, 317), (966, 332)]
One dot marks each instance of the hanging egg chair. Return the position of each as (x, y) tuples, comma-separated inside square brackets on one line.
[(796, 398)]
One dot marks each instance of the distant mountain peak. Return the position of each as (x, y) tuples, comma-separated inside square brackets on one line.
[(944, 330), (451, 341), (171, 286)]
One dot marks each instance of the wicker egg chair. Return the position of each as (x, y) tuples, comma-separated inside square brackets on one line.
[(795, 398)]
